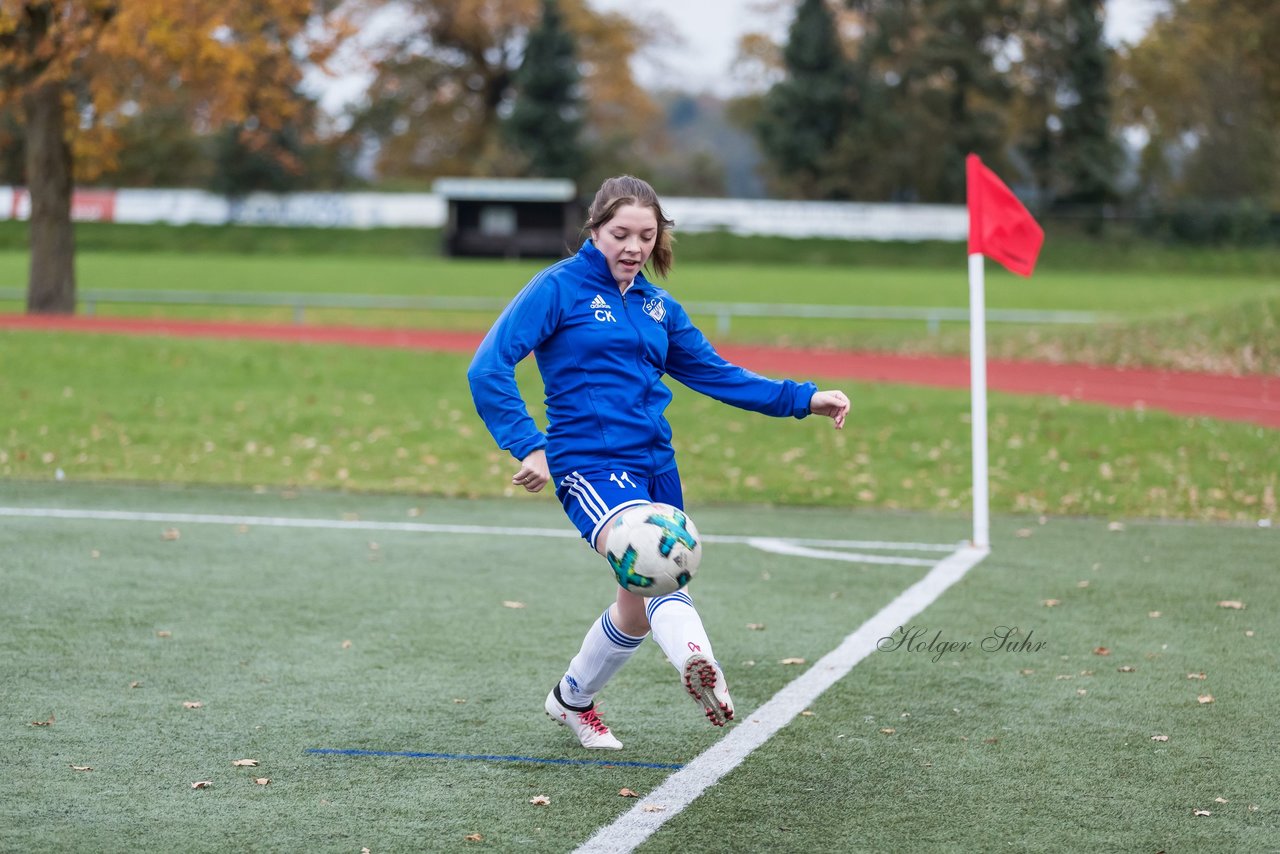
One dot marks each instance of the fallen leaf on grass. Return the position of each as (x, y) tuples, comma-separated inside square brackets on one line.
[(1205, 699), (806, 714), (1221, 801), (1101, 650), (473, 837), (458, 701), (245, 763), (95, 554), (1051, 603), (135, 684), (1249, 633), (1082, 691), (81, 768), (171, 534), (262, 781), (1022, 533), (1159, 738), (792, 661), (512, 604), (1082, 584), (346, 644), (202, 784), (1199, 675), (192, 704), (991, 741), (1233, 604), (1026, 671), (540, 800), (756, 627), (1253, 807), (887, 730), (1115, 526), (1127, 669), (1201, 812), (627, 793), (49, 722)]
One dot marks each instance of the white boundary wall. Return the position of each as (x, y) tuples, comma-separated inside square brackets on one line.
[(844, 220), (847, 220)]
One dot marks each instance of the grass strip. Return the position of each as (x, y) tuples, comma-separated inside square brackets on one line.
[(257, 413)]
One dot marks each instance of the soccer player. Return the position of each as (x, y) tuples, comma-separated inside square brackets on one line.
[(603, 336)]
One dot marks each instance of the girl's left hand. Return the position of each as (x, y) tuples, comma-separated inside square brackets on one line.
[(833, 404)]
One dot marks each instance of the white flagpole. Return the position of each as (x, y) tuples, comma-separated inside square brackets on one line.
[(978, 399)]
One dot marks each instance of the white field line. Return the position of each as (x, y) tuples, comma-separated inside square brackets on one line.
[(633, 827), (279, 522), (881, 545), (430, 528), (784, 547)]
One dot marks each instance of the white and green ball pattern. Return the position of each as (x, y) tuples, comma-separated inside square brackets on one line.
[(653, 550)]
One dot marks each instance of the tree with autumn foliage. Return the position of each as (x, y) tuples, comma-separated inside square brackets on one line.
[(77, 70), (1204, 87), (444, 83)]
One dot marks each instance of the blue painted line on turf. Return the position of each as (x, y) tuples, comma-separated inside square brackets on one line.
[(467, 757)]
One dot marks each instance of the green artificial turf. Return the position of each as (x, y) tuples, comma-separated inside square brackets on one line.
[(295, 639)]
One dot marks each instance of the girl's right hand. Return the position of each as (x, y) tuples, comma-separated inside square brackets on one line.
[(533, 474)]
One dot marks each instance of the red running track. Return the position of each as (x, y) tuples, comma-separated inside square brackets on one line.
[(1254, 399)]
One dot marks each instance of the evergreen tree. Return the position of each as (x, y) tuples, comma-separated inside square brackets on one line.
[(546, 122), (931, 92), (804, 115), (1062, 116), (1089, 154), (1204, 85)]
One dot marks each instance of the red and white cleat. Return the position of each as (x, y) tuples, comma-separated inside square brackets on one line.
[(585, 724), (705, 683)]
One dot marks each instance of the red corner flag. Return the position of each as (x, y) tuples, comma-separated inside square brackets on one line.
[(999, 226)]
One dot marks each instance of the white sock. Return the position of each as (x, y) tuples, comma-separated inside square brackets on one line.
[(677, 628), (604, 650)]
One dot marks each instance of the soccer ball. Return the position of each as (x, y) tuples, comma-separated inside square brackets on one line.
[(654, 550)]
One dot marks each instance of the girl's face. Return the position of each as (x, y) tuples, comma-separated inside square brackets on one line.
[(627, 241)]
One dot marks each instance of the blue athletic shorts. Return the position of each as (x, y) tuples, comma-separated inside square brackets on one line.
[(592, 498)]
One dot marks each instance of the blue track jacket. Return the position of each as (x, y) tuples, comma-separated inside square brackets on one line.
[(602, 356)]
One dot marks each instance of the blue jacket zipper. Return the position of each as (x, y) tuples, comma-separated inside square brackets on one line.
[(640, 368)]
